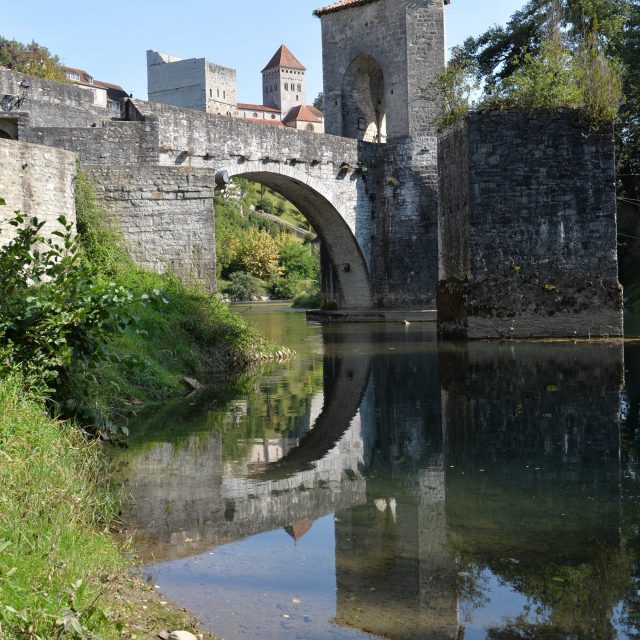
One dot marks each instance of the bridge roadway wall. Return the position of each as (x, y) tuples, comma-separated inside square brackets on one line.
[(513, 213), (39, 182)]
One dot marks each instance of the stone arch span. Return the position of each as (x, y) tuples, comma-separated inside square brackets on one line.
[(352, 284)]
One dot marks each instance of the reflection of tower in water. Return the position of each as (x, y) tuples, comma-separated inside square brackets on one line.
[(395, 573)]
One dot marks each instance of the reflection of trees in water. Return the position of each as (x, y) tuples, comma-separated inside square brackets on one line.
[(533, 481), (264, 403), (630, 615)]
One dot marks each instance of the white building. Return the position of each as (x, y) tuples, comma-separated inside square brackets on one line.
[(105, 94)]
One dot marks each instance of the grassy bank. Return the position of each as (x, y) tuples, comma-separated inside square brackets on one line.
[(53, 513), (181, 331), (62, 575)]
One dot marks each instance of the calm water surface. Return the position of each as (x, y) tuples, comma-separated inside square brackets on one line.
[(385, 485)]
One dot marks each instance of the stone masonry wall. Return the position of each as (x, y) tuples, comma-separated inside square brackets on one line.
[(405, 227), (39, 181), (165, 215), (407, 41), (528, 228), (50, 104), (113, 143)]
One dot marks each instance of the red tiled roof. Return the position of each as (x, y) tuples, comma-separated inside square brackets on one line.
[(277, 123), (298, 529), (302, 113), (315, 111), (114, 91), (345, 4), (257, 107), (284, 58)]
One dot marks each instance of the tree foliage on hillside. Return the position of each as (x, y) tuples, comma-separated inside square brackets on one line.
[(33, 59), (610, 28), (254, 253)]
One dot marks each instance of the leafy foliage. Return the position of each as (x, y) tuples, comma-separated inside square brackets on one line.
[(249, 244), (32, 59), (54, 309), (608, 28), (258, 253), (558, 77), (243, 286), (296, 259), (455, 89), (318, 103)]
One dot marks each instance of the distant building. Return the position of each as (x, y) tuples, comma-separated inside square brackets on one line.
[(196, 83), (305, 117), (283, 81), (105, 94)]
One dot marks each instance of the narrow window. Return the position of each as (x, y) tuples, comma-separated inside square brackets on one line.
[(299, 87), (218, 93), (211, 93), (224, 95), (286, 86)]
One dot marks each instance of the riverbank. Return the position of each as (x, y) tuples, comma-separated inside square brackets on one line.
[(181, 331), (62, 571), (60, 567)]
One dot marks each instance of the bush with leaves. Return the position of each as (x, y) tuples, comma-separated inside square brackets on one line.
[(257, 253), (455, 89), (56, 311), (32, 59), (558, 77), (243, 286)]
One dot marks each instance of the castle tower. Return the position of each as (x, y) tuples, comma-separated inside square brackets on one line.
[(283, 82), (380, 58)]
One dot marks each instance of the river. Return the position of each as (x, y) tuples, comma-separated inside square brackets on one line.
[(384, 485)]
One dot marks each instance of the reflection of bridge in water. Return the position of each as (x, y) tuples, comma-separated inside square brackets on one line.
[(421, 454)]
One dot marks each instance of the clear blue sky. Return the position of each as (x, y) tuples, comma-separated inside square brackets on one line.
[(109, 39)]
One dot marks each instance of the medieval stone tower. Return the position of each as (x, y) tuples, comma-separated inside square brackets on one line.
[(283, 83), (380, 59)]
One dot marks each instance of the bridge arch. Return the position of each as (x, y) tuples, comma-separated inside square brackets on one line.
[(364, 115), (351, 278)]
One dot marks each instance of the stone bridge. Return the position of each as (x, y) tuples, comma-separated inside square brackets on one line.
[(158, 169)]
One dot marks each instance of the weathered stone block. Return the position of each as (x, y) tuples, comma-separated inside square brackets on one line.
[(527, 216)]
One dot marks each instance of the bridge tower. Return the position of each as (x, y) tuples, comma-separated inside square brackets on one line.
[(380, 59)]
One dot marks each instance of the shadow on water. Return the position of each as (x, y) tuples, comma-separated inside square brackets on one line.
[(384, 484)]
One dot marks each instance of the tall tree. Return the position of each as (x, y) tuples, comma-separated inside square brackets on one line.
[(32, 58), (499, 51)]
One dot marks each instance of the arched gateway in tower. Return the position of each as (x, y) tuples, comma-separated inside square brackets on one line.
[(379, 59)]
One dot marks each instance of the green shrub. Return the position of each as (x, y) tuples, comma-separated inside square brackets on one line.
[(454, 89), (265, 205), (287, 288), (55, 309), (297, 260), (243, 286), (560, 77)]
